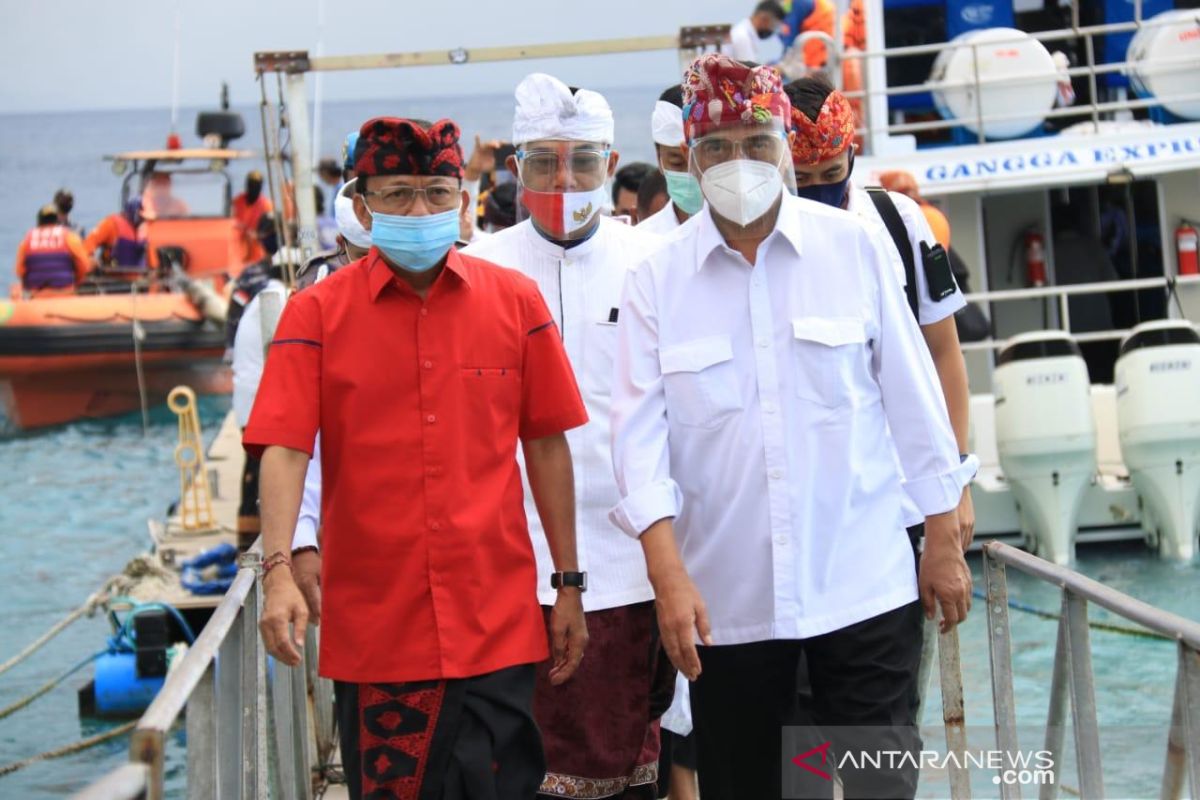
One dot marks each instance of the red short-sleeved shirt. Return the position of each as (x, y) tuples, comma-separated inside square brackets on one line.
[(427, 571)]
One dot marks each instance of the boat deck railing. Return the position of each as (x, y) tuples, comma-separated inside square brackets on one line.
[(255, 731), (1061, 295)]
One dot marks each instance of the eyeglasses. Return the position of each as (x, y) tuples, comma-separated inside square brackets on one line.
[(712, 150), (400, 199), (542, 166)]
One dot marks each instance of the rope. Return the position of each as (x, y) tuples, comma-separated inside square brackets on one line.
[(54, 630), (48, 685), (1097, 626), (66, 750)]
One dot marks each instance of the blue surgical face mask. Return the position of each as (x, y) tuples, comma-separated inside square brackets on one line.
[(684, 191), (415, 244), (831, 194)]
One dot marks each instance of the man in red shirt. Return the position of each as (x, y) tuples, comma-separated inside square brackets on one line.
[(422, 368)]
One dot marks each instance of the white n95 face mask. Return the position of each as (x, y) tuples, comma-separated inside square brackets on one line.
[(742, 190)]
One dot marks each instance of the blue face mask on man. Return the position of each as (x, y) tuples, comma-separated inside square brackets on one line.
[(831, 194), (415, 244)]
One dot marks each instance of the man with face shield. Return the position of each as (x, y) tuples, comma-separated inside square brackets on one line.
[(422, 369), (599, 729), (769, 385), (666, 126), (823, 158)]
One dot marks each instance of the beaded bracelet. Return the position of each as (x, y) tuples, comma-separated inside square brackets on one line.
[(278, 558)]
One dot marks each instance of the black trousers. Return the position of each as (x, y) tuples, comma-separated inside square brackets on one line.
[(861, 678), (462, 739)]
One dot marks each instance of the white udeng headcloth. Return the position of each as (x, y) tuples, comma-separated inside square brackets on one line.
[(546, 109), (666, 124)]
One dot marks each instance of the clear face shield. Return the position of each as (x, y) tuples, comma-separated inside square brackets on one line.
[(743, 171), (563, 184)]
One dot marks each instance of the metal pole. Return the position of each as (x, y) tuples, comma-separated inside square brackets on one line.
[(146, 747), (1083, 697), (925, 667), (875, 78), (230, 707), (1189, 679), (1056, 718), (321, 690), (254, 712), (302, 166), (1173, 769), (1000, 651), (950, 669), (202, 733), (978, 94)]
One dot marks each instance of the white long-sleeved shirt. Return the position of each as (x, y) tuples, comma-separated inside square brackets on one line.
[(247, 374), (582, 288), (744, 44), (763, 408)]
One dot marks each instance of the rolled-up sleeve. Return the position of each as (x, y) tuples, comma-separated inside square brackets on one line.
[(912, 394), (309, 521), (640, 446), (287, 409)]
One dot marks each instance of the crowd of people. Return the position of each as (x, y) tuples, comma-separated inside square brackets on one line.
[(599, 478)]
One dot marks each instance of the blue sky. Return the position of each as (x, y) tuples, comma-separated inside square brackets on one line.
[(82, 54)]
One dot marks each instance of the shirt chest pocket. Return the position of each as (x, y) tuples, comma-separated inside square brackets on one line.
[(827, 352), (700, 381)]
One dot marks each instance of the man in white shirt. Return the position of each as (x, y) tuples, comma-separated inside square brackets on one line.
[(666, 127), (754, 38), (601, 737), (823, 160), (248, 360), (770, 385)]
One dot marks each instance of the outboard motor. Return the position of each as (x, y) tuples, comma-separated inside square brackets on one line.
[(1045, 437), (1158, 414)]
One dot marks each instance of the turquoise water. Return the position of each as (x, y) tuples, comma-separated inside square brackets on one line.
[(73, 508)]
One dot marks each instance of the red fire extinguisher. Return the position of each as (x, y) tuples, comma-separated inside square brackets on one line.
[(1035, 259), (1186, 241)]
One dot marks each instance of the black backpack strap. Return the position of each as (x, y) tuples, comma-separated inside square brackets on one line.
[(899, 233)]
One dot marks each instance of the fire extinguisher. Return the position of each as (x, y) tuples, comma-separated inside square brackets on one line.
[(1035, 259), (1186, 241)]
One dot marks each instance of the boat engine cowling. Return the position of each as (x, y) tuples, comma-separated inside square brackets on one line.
[(1045, 436), (1158, 416)]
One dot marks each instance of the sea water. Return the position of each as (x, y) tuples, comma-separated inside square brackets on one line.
[(74, 500)]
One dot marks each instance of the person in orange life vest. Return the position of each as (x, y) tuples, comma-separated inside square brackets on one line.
[(158, 200), (119, 238), (898, 180), (248, 208), (51, 256), (804, 16)]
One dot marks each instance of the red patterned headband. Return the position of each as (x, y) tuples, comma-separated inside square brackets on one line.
[(718, 91), (829, 136)]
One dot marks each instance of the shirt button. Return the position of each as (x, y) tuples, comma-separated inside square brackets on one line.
[(763, 343), (776, 474), (781, 541), (769, 408), (424, 312), (437, 526), (428, 365), (431, 419)]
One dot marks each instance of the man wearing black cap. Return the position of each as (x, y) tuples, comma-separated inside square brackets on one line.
[(422, 369)]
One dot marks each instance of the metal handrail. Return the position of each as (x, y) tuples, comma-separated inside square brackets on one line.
[(1073, 681), (222, 683)]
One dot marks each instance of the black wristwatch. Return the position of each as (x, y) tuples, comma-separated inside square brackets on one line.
[(576, 579)]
